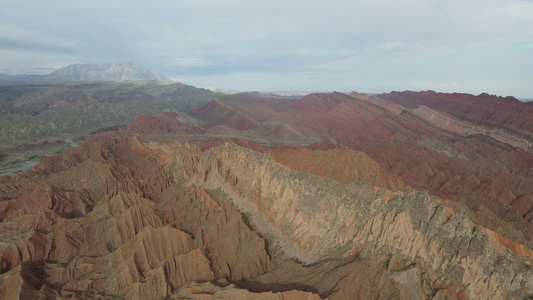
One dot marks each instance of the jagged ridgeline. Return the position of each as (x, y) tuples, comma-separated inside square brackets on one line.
[(121, 218), (178, 192)]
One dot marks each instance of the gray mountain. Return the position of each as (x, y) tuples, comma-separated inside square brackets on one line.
[(110, 71)]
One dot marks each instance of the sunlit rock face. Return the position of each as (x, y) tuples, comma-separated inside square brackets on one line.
[(123, 218)]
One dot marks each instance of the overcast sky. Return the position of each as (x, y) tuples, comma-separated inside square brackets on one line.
[(470, 46)]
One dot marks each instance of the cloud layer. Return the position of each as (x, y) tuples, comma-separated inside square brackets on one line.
[(371, 46)]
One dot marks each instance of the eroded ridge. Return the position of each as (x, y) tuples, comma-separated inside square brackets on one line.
[(120, 218)]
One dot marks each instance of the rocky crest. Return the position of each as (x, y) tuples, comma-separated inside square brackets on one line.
[(119, 218), (453, 156)]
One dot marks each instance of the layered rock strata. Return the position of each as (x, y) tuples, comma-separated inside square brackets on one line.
[(468, 154)]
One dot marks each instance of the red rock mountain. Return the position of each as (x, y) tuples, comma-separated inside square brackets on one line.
[(162, 123), (119, 218), (400, 196), (482, 109), (485, 166)]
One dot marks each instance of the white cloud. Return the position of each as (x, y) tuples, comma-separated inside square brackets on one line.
[(339, 42), (441, 86), (17, 61), (17, 37)]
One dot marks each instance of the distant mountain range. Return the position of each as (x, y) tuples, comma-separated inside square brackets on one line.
[(117, 71), (110, 71)]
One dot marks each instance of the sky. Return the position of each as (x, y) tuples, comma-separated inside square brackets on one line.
[(468, 46)]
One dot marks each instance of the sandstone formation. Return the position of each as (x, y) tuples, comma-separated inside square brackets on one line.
[(121, 218), (452, 155), (103, 221)]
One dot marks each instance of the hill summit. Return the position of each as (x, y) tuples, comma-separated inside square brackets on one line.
[(109, 71)]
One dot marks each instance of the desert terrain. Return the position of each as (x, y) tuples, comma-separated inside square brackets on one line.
[(149, 189)]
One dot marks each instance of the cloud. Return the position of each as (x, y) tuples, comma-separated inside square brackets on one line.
[(15, 37), (447, 86), (17, 61), (378, 43)]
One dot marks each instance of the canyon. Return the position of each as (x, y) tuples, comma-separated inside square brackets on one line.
[(406, 195)]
